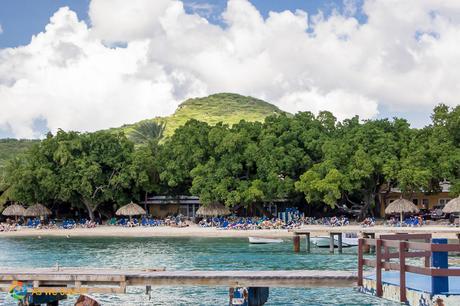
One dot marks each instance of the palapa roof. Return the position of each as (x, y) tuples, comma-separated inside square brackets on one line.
[(213, 210), (14, 210), (452, 206), (401, 206), (131, 209), (37, 210)]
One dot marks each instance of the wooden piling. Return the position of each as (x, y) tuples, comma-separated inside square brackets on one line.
[(339, 239), (296, 240), (331, 243), (307, 240)]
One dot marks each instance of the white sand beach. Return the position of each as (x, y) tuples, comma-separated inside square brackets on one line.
[(196, 231)]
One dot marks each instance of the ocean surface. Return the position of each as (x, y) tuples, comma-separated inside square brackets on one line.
[(184, 254)]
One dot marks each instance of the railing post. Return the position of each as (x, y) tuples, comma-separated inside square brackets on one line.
[(440, 260), (378, 266), (428, 257), (402, 271), (360, 261), (307, 240), (386, 252)]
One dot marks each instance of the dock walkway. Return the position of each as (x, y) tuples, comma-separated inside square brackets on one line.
[(93, 280)]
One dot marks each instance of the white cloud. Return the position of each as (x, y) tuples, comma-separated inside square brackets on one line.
[(1, 29), (404, 57)]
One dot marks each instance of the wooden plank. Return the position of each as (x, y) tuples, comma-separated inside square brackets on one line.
[(405, 236)]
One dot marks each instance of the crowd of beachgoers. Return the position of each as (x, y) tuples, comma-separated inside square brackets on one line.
[(224, 223)]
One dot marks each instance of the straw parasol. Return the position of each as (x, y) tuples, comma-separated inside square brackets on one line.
[(452, 206), (213, 210), (14, 210), (131, 209), (401, 206), (37, 210)]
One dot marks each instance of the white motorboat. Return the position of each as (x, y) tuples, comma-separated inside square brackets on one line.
[(262, 240), (323, 241)]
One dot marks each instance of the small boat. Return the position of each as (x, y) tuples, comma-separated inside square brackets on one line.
[(323, 241), (262, 240)]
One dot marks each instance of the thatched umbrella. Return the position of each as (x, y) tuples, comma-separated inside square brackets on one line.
[(401, 206), (37, 210), (453, 206), (14, 210), (213, 210), (131, 209)]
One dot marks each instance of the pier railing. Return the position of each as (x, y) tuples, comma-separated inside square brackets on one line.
[(434, 252)]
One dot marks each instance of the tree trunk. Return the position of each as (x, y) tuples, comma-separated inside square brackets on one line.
[(90, 209)]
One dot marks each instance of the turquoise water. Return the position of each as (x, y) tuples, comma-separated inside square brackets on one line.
[(184, 254)]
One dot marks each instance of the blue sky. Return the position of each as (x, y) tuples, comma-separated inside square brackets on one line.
[(389, 90), (20, 19)]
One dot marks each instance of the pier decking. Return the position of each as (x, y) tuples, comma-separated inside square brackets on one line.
[(92, 280)]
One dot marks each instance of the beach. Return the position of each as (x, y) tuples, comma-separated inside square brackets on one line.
[(197, 231)]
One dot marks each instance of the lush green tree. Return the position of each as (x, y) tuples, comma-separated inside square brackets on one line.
[(358, 160), (75, 168), (180, 154)]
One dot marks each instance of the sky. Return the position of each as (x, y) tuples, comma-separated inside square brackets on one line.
[(92, 64)]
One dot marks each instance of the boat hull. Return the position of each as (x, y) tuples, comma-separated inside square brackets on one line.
[(260, 240), (323, 242)]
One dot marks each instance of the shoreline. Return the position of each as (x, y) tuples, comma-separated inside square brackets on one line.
[(200, 232)]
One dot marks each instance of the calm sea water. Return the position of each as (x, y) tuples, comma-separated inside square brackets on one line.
[(184, 254)]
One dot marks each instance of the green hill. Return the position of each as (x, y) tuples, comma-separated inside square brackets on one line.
[(223, 107)]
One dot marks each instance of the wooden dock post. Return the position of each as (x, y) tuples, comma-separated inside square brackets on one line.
[(307, 240), (296, 240), (339, 239), (331, 243)]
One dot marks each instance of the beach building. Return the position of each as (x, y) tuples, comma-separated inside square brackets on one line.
[(423, 200), (161, 206)]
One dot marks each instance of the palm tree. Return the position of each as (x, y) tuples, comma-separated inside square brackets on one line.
[(147, 131)]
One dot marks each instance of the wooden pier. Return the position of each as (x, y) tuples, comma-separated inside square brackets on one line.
[(93, 280)]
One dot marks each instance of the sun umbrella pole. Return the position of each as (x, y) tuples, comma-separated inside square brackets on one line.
[(401, 218)]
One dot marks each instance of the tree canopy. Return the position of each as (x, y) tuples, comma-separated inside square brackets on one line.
[(306, 158)]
